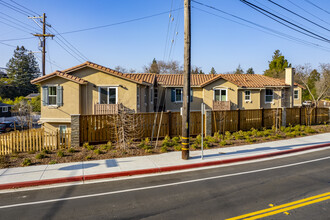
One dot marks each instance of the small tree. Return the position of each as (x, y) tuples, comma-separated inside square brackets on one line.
[(277, 65), (250, 71), (239, 70), (213, 71)]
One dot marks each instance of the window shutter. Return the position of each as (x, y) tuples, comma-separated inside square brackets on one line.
[(191, 95), (45, 95), (172, 95), (59, 96)]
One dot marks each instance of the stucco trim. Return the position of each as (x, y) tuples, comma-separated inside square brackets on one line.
[(57, 120)]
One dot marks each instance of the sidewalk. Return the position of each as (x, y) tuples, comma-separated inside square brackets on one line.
[(98, 169)]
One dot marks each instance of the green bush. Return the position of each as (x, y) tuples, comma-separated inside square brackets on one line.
[(194, 147), (45, 151), (90, 147), (177, 148), (88, 157), (176, 140), (223, 143), (40, 156), (217, 136), (148, 151), (52, 162), (228, 135), (163, 149), (210, 139), (60, 153), (71, 150), (86, 144), (310, 130), (98, 151), (26, 162)]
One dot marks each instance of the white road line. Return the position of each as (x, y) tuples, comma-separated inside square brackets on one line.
[(161, 185)]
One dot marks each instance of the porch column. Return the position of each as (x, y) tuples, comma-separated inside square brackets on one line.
[(75, 130)]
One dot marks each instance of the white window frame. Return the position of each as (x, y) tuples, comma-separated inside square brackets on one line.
[(180, 101), (3, 109), (249, 99), (269, 95), (52, 95), (294, 94), (108, 87), (220, 93)]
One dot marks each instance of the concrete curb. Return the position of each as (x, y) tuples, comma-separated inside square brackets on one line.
[(152, 170)]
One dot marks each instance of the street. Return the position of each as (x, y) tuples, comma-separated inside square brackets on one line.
[(215, 193)]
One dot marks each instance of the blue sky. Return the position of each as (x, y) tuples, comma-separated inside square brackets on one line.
[(216, 42)]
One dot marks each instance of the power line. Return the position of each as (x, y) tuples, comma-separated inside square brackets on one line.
[(9, 45), (168, 28), (15, 39), (14, 27), (18, 20), (308, 12), (263, 11), (25, 8), (12, 7), (68, 51), (317, 6), (298, 15), (20, 25), (278, 34)]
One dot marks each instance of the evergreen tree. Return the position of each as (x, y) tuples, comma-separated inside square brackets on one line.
[(277, 66), (21, 69), (239, 70), (250, 71), (213, 71), (154, 67)]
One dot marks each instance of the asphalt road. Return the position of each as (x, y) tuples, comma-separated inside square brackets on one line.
[(216, 193)]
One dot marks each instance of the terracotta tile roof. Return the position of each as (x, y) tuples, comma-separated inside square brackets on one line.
[(177, 79), (144, 77), (59, 74)]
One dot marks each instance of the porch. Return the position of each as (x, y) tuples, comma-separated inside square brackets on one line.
[(105, 109)]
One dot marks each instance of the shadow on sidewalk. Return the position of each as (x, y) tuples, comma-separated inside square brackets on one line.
[(287, 147)]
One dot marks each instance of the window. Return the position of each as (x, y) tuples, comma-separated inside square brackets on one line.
[(138, 96), (62, 133), (52, 95), (269, 95), (247, 95), (220, 95), (108, 95), (62, 129), (5, 109), (178, 95), (296, 94)]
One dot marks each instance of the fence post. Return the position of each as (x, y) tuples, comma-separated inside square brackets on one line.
[(284, 117), (238, 119), (169, 124), (300, 115), (316, 115), (75, 130), (262, 117), (208, 122)]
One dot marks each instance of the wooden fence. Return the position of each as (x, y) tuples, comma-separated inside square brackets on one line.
[(33, 140), (102, 128)]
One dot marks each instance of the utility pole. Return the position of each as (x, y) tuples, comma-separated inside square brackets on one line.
[(43, 42), (186, 81)]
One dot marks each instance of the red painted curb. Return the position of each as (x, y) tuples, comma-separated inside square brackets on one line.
[(153, 170)]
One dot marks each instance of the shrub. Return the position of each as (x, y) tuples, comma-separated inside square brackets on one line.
[(217, 136), (228, 135), (309, 130), (163, 149), (90, 147), (98, 151), (177, 148), (52, 162), (210, 139), (26, 162), (198, 139), (254, 132), (167, 143), (71, 150), (88, 157), (60, 153), (223, 143), (207, 145), (194, 147), (45, 151), (40, 156), (148, 151), (86, 144), (109, 146), (176, 139), (145, 144)]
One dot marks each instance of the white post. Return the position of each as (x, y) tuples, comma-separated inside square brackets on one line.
[(202, 124)]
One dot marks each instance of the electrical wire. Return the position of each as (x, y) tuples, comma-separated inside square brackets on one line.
[(292, 12), (167, 32), (80, 61), (9, 45), (32, 27), (267, 13), (18, 24), (317, 6), (15, 39), (276, 33), (14, 27), (25, 7), (12, 7), (308, 12)]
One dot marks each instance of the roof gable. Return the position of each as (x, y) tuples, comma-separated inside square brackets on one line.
[(59, 74)]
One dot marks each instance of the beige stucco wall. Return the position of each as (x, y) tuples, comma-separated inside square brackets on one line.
[(53, 127), (277, 102), (96, 79), (71, 100), (232, 93), (255, 99), (298, 102)]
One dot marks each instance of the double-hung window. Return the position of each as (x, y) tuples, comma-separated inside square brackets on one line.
[(52, 94), (296, 94), (5, 109), (178, 95), (247, 95), (220, 95), (269, 95), (108, 95)]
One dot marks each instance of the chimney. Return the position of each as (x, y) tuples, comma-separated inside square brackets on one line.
[(289, 73)]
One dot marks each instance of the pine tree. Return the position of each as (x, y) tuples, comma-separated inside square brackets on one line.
[(277, 65), (213, 71), (154, 67), (250, 71), (239, 70), (21, 69)]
